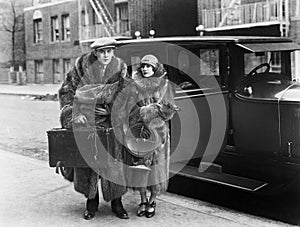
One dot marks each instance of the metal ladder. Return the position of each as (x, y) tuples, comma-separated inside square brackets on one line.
[(104, 16), (230, 4), (284, 18)]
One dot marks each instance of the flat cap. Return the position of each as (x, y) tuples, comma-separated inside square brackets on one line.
[(103, 43)]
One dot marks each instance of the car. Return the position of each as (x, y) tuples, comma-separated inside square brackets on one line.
[(239, 119), (239, 123)]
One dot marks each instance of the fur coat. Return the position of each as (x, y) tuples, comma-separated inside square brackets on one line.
[(87, 77), (150, 101)]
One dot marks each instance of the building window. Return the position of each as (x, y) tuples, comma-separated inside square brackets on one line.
[(66, 66), (296, 9), (96, 19), (122, 18), (65, 27), (35, 2), (55, 69), (38, 30), (39, 71), (54, 29), (275, 62)]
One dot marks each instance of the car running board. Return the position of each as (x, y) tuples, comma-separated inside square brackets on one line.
[(217, 178)]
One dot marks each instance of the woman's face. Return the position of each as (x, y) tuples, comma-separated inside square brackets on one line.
[(147, 70)]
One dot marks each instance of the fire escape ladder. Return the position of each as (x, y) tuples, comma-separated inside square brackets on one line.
[(284, 17), (104, 16), (230, 7)]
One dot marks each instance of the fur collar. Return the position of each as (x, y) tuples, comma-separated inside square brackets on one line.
[(158, 80)]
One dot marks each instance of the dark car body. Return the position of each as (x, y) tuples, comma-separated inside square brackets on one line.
[(236, 127)]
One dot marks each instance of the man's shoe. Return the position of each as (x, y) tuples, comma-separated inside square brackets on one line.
[(118, 209), (88, 215)]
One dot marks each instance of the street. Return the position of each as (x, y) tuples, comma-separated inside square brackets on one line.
[(24, 123)]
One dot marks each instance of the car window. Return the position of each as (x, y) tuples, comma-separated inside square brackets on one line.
[(198, 68), (253, 60)]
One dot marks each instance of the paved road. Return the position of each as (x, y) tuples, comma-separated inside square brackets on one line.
[(24, 123)]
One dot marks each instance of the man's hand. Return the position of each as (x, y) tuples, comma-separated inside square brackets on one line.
[(101, 111), (80, 119)]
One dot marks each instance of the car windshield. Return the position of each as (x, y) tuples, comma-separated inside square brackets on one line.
[(270, 61), (253, 60)]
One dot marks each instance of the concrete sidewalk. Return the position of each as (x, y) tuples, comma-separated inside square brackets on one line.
[(33, 195), (29, 89)]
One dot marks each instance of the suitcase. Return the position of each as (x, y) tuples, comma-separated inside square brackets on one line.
[(78, 148)]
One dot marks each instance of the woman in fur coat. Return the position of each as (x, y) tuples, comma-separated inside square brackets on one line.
[(150, 103)]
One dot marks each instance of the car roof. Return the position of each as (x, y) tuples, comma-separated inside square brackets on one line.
[(207, 39)]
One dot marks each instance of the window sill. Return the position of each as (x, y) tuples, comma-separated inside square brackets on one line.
[(295, 18)]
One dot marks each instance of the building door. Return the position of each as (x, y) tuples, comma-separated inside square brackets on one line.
[(55, 69), (39, 71)]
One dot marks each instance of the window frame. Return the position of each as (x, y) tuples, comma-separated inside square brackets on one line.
[(122, 18), (54, 26), (65, 28), (66, 69), (37, 30)]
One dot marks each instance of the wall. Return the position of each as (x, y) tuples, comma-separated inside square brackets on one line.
[(166, 17), (179, 18), (142, 15)]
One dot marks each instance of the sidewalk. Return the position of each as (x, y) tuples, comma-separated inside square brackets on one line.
[(29, 89), (33, 195)]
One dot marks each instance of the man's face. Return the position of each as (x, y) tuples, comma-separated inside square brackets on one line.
[(104, 56)]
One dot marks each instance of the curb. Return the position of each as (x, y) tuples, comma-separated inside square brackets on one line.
[(41, 97)]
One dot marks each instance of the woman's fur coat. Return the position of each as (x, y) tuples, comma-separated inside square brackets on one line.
[(150, 101), (86, 72)]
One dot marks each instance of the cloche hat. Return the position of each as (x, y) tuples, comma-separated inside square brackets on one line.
[(150, 60), (104, 43)]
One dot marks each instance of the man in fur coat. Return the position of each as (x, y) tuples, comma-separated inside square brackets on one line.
[(96, 78)]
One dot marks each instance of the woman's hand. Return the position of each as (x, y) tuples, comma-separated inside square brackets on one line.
[(149, 112), (80, 119)]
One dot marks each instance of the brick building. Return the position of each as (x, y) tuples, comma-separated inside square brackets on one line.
[(58, 31), (51, 29)]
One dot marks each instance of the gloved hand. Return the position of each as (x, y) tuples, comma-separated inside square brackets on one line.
[(80, 119), (149, 112)]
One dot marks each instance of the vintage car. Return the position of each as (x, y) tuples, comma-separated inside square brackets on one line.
[(239, 118), (239, 123)]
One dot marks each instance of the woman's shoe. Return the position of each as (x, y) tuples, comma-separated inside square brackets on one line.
[(150, 212), (142, 209)]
